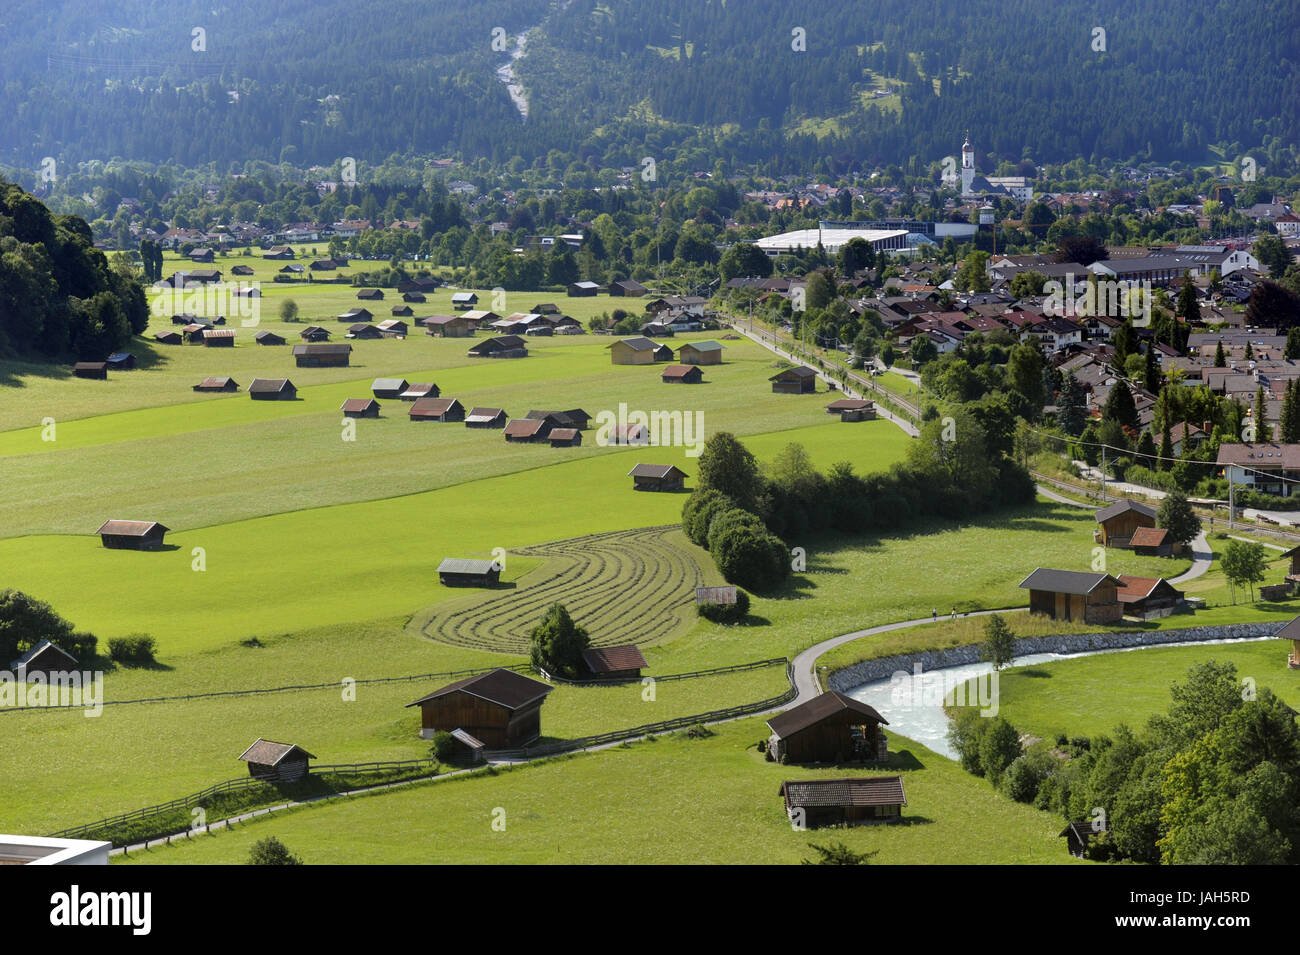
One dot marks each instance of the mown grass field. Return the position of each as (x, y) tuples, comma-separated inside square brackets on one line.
[(671, 800), (325, 551), (1092, 695), (76, 770)]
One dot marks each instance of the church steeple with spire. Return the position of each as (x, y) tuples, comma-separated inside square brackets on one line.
[(967, 166)]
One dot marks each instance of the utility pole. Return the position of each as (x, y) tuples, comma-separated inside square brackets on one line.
[(1232, 498), (1103, 472)]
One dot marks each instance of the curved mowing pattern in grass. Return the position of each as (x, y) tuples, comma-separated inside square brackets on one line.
[(594, 577)]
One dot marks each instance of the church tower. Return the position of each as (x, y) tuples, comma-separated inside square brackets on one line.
[(967, 165)]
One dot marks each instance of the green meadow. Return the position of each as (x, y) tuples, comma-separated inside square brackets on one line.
[(672, 800), (1092, 695), (298, 556)]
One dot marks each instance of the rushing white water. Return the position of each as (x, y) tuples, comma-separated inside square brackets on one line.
[(912, 712), (506, 74)]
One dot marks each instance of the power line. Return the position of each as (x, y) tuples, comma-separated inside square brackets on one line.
[(1126, 452)]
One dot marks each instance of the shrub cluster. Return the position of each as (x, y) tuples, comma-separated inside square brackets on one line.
[(136, 648), (726, 613)]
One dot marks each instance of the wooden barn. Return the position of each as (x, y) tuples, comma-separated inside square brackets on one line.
[(623, 663), (565, 437), (355, 315), (242, 270), (418, 390), (479, 316), (799, 380), (448, 326), (1119, 521), (844, 802), (700, 353), (402, 311), (314, 333), (632, 351), (1074, 595), (268, 338), (657, 477), (470, 751), (364, 331), (453, 572), (1147, 598), (831, 728), (528, 430), (437, 409), (389, 387), (195, 331), (627, 288), (272, 389), (1291, 632), (282, 762), (682, 375), (1151, 542), (91, 369), (415, 298), (573, 418), (637, 434), (132, 535), (463, 300), (45, 658), (370, 295), (485, 418), (501, 708), (663, 353), (725, 596), (582, 289), (325, 355), (1078, 835), (853, 409), (393, 328), (168, 338), (360, 408), (217, 384), (219, 338), (504, 346), (121, 361)]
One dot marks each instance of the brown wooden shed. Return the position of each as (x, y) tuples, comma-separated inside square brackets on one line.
[(448, 326), (1119, 521), (1147, 598), (831, 728), (1151, 542), (851, 802), (682, 375), (282, 762), (657, 477), (91, 369), (632, 351), (614, 663), (799, 380), (360, 408), (44, 658), (454, 572), (326, 355), (485, 418), (1074, 595), (501, 708), (217, 384), (437, 409), (132, 535), (272, 389)]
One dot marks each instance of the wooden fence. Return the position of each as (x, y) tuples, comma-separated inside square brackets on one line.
[(681, 722), (230, 785), (528, 752), (451, 674), (667, 677)]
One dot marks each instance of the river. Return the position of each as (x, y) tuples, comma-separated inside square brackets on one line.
[(912, 712)]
